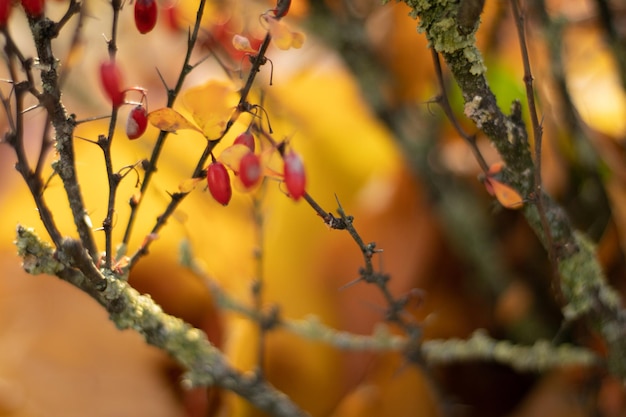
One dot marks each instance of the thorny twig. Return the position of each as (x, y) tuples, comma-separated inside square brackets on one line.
[(539, 357), (176, 198), (537, 135), (172, 95), (395, 306), (395, 312), (442, 100), (105, 143)]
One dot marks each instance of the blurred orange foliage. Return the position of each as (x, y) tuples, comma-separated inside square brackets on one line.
[(62, 356)]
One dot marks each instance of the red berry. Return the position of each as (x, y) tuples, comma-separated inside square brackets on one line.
[(5, 12), (145, 15), (295, 178), (219, 183), (33, 8), (137, 122), (111, 79), (245, 138), (250, 170)]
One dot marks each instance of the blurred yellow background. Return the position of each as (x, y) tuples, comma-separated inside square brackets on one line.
[(60, 354)]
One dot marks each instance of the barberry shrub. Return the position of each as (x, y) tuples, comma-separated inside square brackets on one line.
[(199, 161)]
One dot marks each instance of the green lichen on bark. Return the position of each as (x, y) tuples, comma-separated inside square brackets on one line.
[(582, 281), (458, 48), (438, 20), (129, 309), (37, 255), (589, 295), (539, 357)]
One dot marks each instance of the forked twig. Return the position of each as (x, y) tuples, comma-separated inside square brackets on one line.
[(537, 135)]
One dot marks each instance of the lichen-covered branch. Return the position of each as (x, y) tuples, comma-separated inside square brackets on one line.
[(582, 280), (128, 309), (206, 365), (44, 31), (541, 356)]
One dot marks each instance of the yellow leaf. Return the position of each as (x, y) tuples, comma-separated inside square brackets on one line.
[(231, 156), (297, 39), (211, 106), (169, 120), (282, 36), (272, 164), (186, 186)]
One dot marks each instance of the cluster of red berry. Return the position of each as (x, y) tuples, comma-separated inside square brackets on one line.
[(250, 172), (249, 168)]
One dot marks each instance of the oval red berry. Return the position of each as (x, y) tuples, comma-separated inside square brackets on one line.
[(218, 181), (33, 8), (111, 80), (145, 15), (295, 178), (137, 122), (250, 170), (5, 11), (246, 139)]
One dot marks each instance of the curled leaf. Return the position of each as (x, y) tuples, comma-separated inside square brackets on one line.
[(282, 35), (505, 194), (272, 164), (169, 120), (241, 43), (232, 155)]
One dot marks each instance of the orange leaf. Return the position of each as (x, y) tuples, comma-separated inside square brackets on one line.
[(506, 195), (495, 168), (169, 120)]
